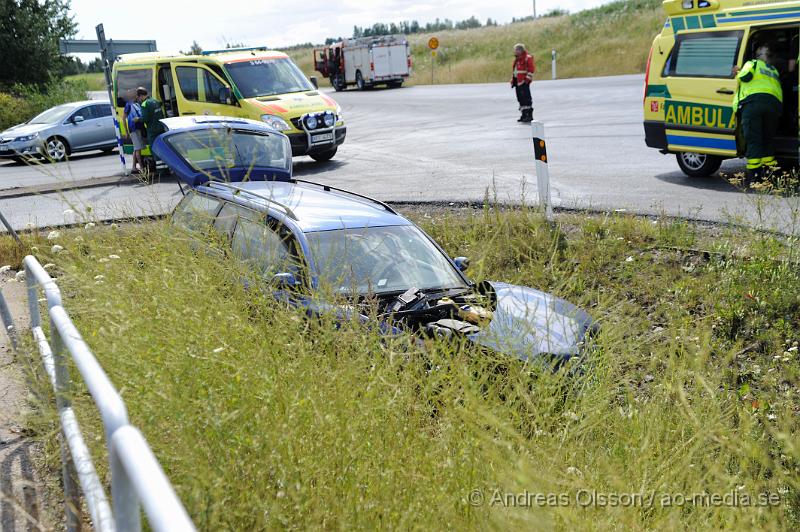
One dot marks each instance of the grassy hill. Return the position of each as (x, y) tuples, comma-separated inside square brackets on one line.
[(608, 40)]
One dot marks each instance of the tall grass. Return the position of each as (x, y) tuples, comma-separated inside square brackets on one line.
[(609, 40), (264, 419)]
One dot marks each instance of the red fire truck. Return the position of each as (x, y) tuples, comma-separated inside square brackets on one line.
[(365, 62)]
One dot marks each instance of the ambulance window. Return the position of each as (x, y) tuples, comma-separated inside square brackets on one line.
[(199, 85), (129, 80), (705, 55), (187, 79)]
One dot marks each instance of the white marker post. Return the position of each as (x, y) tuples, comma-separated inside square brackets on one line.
[(554, 64), (542, 171), (107, 56)]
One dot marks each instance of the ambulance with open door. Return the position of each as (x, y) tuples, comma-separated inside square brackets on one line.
[(690, 82)]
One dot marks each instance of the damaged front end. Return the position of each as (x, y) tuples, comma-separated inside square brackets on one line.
[(518, 321)]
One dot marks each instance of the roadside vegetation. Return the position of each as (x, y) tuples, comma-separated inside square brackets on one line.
[(263, 419), (608, 40), (23, 102), (95, 81)]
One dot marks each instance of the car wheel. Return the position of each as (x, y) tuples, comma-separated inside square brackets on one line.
[(56, 149), (323, 156), (360, 83), (698, 164), (338, 82)]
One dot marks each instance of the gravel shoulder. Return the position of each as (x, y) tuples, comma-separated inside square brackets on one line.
[(24, 502)]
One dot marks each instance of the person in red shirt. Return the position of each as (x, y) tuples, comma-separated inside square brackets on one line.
[(524, 68)]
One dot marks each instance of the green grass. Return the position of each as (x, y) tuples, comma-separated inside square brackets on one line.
[(263, 419), (96, 81), (608, 40)]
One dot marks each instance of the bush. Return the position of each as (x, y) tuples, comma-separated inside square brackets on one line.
[(24, 102)]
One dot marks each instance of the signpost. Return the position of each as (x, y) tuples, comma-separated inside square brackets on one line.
[(109, 50), (433, 44)]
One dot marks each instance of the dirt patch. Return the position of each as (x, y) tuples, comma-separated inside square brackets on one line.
[(24, 502)]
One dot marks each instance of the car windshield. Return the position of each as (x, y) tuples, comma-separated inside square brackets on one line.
[(53, 115), (267, 77), (381, 259), (222, 148)]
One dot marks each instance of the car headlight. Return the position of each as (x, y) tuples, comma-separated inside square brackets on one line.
[(25, 138), (275, 122), (312, 122), (339, 117), (330, 119)]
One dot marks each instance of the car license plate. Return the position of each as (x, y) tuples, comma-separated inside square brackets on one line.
[(324, 137)]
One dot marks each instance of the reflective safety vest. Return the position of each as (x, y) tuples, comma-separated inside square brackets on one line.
[(757, 77), (524, 68)]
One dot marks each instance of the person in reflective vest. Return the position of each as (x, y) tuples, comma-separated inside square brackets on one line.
[(759, 103), (521, 80)]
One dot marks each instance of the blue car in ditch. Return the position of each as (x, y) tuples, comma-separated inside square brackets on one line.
[(318, 245)]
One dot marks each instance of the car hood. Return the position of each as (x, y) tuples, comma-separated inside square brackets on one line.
[(529, 322), (294, 104), (24, 129)]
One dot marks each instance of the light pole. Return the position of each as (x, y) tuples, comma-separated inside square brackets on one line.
[(534, 8)]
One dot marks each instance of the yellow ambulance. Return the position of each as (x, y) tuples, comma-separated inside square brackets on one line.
[(254, 83), (690, 83)]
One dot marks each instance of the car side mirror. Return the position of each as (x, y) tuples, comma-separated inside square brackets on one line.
[(77, 119), (225, 95), (314, 81), (462, 263), (284, 280)]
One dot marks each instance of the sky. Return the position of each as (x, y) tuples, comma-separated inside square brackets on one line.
[(175, 24)]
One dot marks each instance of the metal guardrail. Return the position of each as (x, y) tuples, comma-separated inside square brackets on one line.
[(137, 479)]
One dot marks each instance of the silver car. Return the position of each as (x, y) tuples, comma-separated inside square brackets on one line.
[(60, 131)]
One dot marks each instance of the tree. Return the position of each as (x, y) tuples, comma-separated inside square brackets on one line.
[(29, 35), (194, 49)]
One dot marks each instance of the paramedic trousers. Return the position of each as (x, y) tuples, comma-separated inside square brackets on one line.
[(524, 96), (760, 116)]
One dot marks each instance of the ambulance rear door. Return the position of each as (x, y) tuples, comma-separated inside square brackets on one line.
[(698, 104)]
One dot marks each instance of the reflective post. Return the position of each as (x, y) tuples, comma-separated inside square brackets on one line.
[(542, 170), (554, 64)]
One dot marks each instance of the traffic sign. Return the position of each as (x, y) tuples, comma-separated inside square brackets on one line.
[(433, 43)]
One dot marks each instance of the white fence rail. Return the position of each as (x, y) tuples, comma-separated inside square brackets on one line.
[(137, 479)]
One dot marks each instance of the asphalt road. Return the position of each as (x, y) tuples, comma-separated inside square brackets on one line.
[(459, 143)]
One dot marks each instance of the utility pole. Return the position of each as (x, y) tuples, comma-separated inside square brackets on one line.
[(534, 9)]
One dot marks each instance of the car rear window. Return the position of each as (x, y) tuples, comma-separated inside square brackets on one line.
[(705, 55), (195, 212)]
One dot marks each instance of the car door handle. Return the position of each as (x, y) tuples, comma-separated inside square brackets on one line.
[(724, 91)]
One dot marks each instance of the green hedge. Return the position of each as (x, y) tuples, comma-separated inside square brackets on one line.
[(23, 102)]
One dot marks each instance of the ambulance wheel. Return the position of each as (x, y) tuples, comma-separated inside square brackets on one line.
[(698, 164), (394, 84), (360, 83), (323, 156)]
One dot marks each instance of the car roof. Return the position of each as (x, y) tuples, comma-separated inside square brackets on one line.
[(194, 122), (311, 206), (82, 103)]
